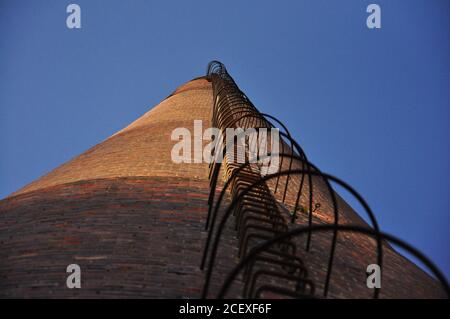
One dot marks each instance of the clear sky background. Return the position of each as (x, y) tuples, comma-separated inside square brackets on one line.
[(369, 106)]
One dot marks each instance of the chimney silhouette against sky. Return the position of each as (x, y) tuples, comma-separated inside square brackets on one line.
[(136, 222)]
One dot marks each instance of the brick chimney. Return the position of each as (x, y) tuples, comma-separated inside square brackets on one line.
[(134, 222)]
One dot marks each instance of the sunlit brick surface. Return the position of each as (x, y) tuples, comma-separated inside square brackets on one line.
[(131, 218), (144, 147), (134, 222)]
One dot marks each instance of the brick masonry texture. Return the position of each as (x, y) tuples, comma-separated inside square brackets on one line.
[(134, 222), (130, 217), (144, 147), (132, 237)]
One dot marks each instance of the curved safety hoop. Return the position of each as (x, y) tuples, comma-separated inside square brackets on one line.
[(260, 210), (235, 201), (324, 228)]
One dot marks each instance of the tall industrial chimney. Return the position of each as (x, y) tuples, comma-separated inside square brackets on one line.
[(134, 221)]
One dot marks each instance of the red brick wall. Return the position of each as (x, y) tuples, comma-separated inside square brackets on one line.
[(131, 218), (134, 222)]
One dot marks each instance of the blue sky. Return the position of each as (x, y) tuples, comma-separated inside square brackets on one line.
[(369, 106)]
